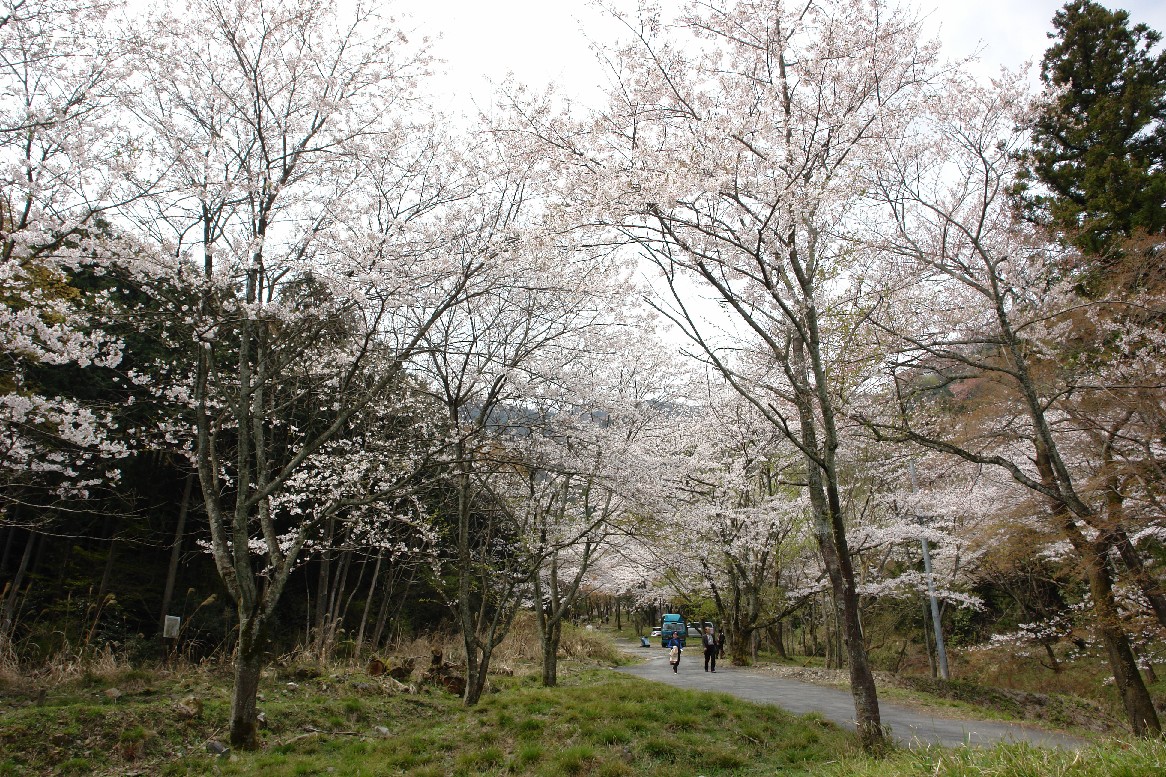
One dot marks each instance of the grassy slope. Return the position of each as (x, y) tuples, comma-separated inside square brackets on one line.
[(596, 723)]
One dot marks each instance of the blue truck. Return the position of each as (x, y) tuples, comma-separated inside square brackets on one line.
[(673, 624)]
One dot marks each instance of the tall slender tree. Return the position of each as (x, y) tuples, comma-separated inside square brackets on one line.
[(301, 201), (965, 307), (1096, 170), (730, 158), (59, 129)]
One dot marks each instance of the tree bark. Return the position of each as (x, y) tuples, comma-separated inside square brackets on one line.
[(550, 646), (175, 553), (8, 616), (1150, 588), (775, 635), (372, 587), (322, 580), (1094, 555), (739, 642), (1136, 701), (244, 731)]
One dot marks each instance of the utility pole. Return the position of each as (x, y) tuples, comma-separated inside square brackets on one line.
[(940, 651)]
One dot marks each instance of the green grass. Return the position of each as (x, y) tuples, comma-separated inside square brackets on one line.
[(596, 723), (1146, 758)]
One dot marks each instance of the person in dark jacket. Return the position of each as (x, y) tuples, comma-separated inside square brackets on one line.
[(710, 649), (674, 650), (721, 643)]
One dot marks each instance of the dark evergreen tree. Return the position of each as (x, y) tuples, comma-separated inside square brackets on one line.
[(1097, 169)]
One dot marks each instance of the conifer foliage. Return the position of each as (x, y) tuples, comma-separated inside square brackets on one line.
[(1097, 167)]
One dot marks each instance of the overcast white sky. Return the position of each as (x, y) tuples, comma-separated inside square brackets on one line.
[(544, 40)]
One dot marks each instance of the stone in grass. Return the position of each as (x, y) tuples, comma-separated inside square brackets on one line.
[(188, 708), (214, 747), (113, 693)]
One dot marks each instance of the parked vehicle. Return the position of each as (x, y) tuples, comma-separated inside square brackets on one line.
[(696, 628), (673, 624)]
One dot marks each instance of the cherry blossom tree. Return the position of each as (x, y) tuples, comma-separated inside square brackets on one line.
[(529, 335), (731, 158), (595, 475), (64, 154), (969, 322), (566, 514), (60, 146), (302, 198), (744, 520)]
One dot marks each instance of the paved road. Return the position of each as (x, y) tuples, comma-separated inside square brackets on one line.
[(909, 727)]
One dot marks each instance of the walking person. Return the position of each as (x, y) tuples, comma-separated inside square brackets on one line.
[(721, 643), (710, 649), (674, 650)]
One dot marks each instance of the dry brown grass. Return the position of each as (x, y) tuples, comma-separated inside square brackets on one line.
[(519, 653), (65, 666)]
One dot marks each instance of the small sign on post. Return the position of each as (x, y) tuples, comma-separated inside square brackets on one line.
[(170, 628)]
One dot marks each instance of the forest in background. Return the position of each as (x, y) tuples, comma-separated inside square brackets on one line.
[(296, 359)]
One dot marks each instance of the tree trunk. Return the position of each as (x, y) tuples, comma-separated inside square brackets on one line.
[(1139, 707), (553, 633), (1054, 664), (813, 402), (775, 636), (477, 663), (829, 628), (739, 642), (8, 616), (1136, 701), (248, 668), (372, 587), (927, 644), (1150, 587), (175, 554), (336, 609), (862, 686), (813, 629), (473, 673), (383, 611), (322, 580)]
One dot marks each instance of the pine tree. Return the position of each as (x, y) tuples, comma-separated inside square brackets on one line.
[(1096, 171)]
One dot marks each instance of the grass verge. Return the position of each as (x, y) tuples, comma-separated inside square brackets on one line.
[(596, 723), (1143, 758)]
